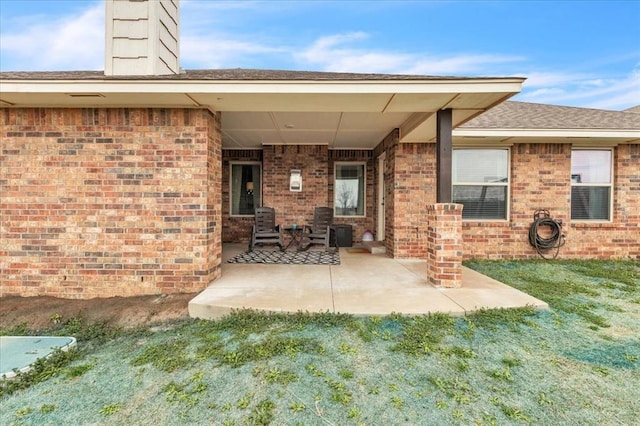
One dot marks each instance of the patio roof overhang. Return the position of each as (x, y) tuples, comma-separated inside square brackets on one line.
[(341, 113)]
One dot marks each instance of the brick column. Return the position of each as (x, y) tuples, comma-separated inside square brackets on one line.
[(444, 244)]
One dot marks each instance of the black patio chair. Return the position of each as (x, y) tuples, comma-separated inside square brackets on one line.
[(265, 230), (319, 233)]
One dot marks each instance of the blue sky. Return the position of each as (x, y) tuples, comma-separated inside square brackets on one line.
[(576, 53)]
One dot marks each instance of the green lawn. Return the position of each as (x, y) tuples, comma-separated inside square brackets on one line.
[(577, 364)]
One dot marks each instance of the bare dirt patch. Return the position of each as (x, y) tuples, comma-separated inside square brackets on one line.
[(125, 312)]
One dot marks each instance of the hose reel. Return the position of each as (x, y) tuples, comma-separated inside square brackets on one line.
[(549, 240)]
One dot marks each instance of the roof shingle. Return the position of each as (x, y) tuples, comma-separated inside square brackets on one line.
[(225, 74), (525, 115)]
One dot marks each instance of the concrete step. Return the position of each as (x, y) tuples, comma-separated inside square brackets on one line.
[(375, 247)]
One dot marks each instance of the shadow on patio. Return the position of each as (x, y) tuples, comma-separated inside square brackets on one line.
[(363, 284)]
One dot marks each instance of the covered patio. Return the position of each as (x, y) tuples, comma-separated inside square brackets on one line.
[(362, 284)]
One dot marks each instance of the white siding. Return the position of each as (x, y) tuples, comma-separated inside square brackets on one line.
[(142, 37)]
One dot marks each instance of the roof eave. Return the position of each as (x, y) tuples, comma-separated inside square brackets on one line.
[(549, 133), (575, 137), (501, 85)]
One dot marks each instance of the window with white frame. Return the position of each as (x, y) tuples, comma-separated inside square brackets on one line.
[(481, 182), (591, 184), (349, 189), (245, 188)]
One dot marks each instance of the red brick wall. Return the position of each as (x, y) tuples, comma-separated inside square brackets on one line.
[(537, 175), (313, 162), (541, 179), (277, 163), (413, 167), (316, 163), (108, 202)]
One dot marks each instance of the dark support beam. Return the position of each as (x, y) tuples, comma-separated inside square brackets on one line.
[(444, 142)]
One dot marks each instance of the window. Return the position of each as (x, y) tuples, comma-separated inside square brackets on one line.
[(348, 191), (481, 182), (591, 184), (245, 188)]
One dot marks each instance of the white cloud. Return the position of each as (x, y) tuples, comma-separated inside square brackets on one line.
[(73, 42), (329, 53), (546, 93), (461, 64), (219, 52), (328, 43), (541, 79), (332, 53), (583, 90), (219, 34), (615, 94)]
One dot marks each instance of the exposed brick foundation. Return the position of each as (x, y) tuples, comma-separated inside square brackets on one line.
[(109, 202), (444, 244)]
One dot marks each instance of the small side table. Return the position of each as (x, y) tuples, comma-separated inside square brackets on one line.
[(296, 237)]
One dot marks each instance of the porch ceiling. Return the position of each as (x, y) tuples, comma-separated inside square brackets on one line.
[(353, 114)]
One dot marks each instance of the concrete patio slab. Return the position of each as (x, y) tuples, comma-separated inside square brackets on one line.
[(378, 301), (363, 284), (358, 270), (274, 288), (215, 303), (479, 291)]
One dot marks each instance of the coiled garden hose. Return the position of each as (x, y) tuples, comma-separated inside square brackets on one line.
[(542, 218)]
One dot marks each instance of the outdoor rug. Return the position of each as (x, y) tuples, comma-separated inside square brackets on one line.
[(288, 257)]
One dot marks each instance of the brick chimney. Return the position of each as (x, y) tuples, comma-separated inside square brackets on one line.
[(142, 37)]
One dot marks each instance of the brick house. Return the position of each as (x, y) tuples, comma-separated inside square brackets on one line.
[(129, 181)]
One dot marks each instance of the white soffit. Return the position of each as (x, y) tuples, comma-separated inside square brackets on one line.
[(360, 139), (422, 127), (301, 102), (97, 99), (305, 121), (248, 138), (361, 95)]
